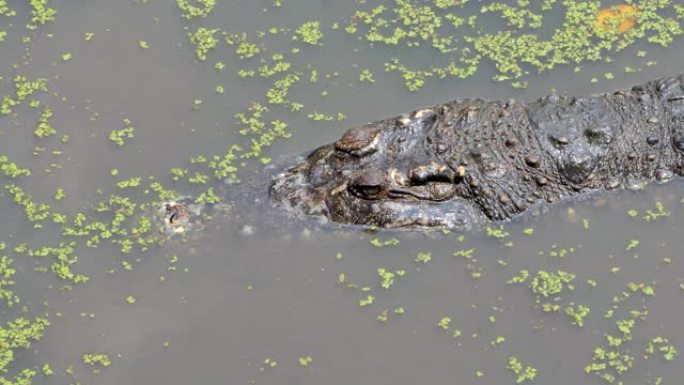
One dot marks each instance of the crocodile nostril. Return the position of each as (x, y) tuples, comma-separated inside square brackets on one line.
[(433, 172)]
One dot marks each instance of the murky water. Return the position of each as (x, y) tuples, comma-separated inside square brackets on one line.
[(253, 291)]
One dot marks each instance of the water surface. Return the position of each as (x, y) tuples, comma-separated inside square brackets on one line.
[(253, 289)]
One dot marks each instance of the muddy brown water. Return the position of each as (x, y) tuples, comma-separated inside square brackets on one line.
[(238, 298)]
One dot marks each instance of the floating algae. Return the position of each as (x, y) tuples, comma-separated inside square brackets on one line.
[(621, 17)]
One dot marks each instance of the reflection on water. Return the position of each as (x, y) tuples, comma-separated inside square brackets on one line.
[(590, 286)]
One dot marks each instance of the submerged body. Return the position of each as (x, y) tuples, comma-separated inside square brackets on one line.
[(471, 161)]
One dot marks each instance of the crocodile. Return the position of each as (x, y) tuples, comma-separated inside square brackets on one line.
[(471, 161)]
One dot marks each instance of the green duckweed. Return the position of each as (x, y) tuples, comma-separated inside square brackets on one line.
[(444, 323), (309, 33), (661, 345), (523, 373), (380, 243), (35, 212), (44, 129), (546, 284), (367, 301), (59, 194), (99, 359), (366, 76), (5, 10), (658, 212), (41, 13), (497, 232), (516, 52), (633, 244), (131, 182), (7, 273), (11, 169), (24, 88), (383, 316), (615, 356), (119, 136), (47, 370), (243, 48), (202, 9), (16, 334), (204, 41), (423, 258), (387, 277)]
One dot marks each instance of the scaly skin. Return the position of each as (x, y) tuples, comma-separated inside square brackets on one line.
[(471, 161)]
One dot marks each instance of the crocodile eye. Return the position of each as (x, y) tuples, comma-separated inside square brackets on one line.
[(367, 192), (369, 185)]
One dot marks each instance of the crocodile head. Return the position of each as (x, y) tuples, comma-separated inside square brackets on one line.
[(385, 174)]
